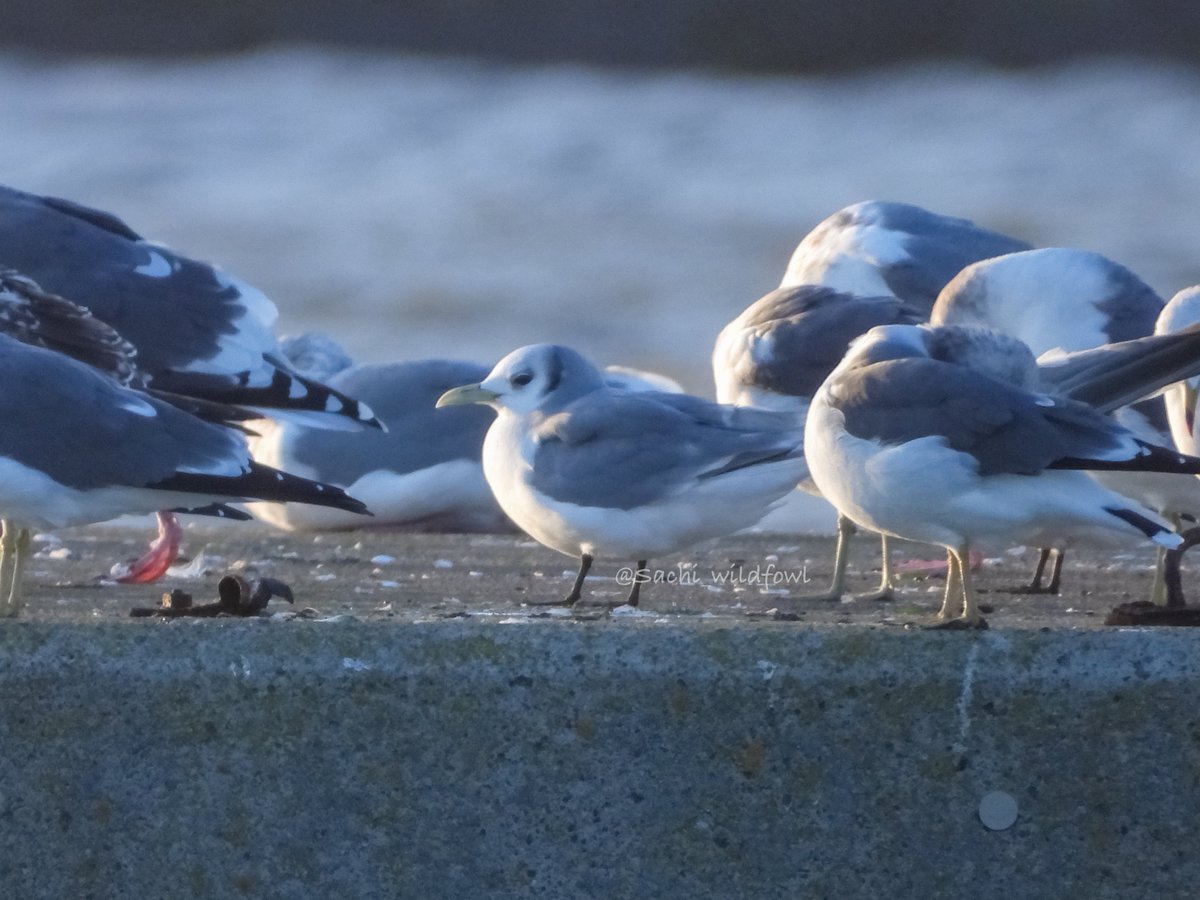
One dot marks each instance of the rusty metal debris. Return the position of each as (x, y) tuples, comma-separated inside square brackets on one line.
[(238, 597)]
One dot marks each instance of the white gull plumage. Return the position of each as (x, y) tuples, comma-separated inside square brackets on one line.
[(593, 471), (906, 438)]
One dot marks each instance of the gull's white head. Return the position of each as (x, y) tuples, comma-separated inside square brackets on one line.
[(542, 377), (885, 342)]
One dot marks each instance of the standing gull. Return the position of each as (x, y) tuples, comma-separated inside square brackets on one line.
[(1064, 299), (873, 263), (907, 442), (1181, 312), (197, 331), (141, 455), (35, 317), (590, 470)]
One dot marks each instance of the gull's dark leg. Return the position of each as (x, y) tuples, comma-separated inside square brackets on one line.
[(1172, 576), (1035, 585), (585, 563), (632, 599)]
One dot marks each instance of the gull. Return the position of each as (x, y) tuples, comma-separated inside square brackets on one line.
[(78, 447), (1060, 300), (775, 356), (593, 471), (907, 440), (425, 472), (36, 317), (884, 248), (873, 263), (197, 330), (1180, 313)]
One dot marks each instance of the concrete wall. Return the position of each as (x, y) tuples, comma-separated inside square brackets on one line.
[(607, 760), (775, 35)]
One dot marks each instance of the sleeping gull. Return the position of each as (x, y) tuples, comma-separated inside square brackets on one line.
[(907, 443), (423, 473), (140, 455), (894, 249), (590, 470), (1065, 299)]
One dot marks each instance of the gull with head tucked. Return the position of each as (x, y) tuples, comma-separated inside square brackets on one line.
[(590, 470)]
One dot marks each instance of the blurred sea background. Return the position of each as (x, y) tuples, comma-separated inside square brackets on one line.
[(439, 180)]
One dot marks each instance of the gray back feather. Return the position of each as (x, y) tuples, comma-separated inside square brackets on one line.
[(51, 405), (808, 329), (622, 450), (1005, 429), (91, 257)]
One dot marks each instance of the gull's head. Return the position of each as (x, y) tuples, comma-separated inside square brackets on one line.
[(883, 343), (542, 377)]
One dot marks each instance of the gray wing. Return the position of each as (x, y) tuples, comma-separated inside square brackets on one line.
[(801, 334), (175, 310), (403, 396), (617, 450), (935, 247), (34, 316), (198, 332), (1113, 375), (1006, 430), (938, 248), (86, 431)]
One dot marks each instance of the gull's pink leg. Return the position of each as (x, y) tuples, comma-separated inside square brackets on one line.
[(935, 566), (153, 564)]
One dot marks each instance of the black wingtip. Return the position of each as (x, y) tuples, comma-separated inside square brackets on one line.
[(217, 510), (265, 483), (1151, 458), (287, 392)]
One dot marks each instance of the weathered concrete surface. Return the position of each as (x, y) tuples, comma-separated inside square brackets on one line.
[(619, 758), (429, 736)]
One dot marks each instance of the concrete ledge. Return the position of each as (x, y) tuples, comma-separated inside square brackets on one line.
[(622, 759)]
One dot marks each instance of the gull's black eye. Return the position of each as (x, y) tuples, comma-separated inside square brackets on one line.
[(521, 379)]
